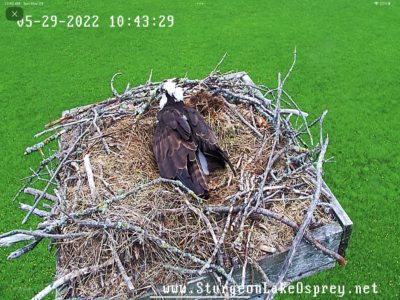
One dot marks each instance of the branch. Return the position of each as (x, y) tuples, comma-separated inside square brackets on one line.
[(11, 240), (41, 234), (35, 211), (114, 92), (304, 224), (54, 175), (36, 192), (121, 267), (89, 173), (66, 278), (259, 135), (25, 249)]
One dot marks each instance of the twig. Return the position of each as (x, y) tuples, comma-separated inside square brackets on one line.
[(67, 278), (59, 126), (219, 243), (54, 175), (184, 271), (24, 249), (259, 135), (99, 131), (121, 268), (36, 212), (41, 234), (303, 116), (114, 92), (291, 68), (159, 242), (11, 240), (245, 255), (89, 173), (306, 220), (215, 69), (39, 146), (36, 192), (284, 220), (148, 82)]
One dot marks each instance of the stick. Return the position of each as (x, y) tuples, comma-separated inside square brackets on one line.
[(54, 175), (99, 131), (11, 240), (148, 82), (304, 224), (35, 211), (25, 249), (66, 278), (204, 218), (284, 220), (67, 116), (59, 126), (41, 234), (159, 242), (89, 173), (36, 192), (120, 266), (294, 112), (39, 146), (303, 116), (291, 68), (215, 69), (219, 243), (114, 92), (259, 135)]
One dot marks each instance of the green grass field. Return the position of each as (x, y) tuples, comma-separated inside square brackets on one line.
[(348, 62)]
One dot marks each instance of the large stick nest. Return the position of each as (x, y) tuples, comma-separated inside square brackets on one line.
[(161, 209), (175, 233)]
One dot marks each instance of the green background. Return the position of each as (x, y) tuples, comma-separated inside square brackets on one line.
[(347, 62)]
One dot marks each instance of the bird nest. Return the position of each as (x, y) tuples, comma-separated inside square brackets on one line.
[(120, 229)]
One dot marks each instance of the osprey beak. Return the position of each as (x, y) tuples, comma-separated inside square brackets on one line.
[(159, 90), (177, 80)]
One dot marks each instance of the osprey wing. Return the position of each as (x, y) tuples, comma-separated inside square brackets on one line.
[(206, 139), (175, 151)]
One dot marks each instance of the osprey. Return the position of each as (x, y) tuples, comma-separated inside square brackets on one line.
[(182, 141)]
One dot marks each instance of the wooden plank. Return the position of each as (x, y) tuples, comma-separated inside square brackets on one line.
[(340, 214), (304, 275), (307, 261)]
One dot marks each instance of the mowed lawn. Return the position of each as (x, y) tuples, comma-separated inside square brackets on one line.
[(348, 62)]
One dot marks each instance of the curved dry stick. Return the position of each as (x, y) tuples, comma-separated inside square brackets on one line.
[(112, 84)]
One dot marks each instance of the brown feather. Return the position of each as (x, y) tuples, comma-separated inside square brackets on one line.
[(180, 133)]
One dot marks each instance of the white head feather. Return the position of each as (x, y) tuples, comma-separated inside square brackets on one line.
[(170, 87)]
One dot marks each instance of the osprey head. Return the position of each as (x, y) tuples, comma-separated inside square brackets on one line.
[(169, 90)]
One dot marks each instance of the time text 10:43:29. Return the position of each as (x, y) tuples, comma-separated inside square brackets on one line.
[(93, 21)]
